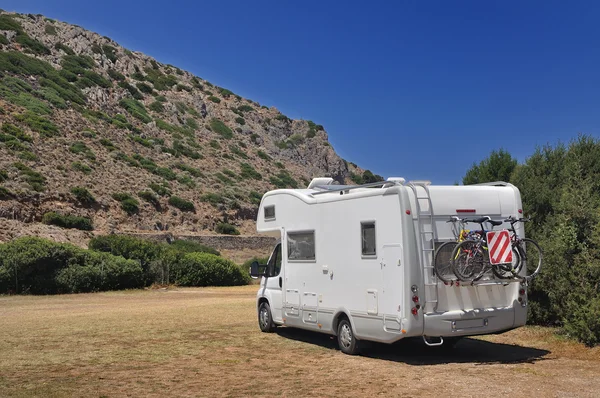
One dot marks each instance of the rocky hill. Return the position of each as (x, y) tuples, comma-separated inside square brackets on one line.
[(92, 130)]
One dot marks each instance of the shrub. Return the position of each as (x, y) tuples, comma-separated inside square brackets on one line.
[(181, 204), (108, 144), (66, 49), (214, 99), (156, 106), (110, 52), (5, 193), (255, 197), (161, 98), (144, 88), (83, 195), (245, 108), (35, 180), (224, 92), (16, 132), (160, 189), (263, 155), (135, 109), (135, 93), (214, 199), (237, 151), (45, 267), (226, 229), (116, 75), (249, 172), (192, 170), (191, 123), (39, 124), (283, 180), (220, 128), (67, 221), (80, 147), (204, 269), (84, 168)]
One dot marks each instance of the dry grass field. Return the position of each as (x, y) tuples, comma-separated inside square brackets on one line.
[(205, 342)]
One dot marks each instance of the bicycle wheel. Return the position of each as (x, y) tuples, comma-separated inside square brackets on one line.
[(467, 260), (442, 262), (531, 259), (508, 270)]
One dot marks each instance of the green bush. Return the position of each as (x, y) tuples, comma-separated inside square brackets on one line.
[(226, 229), (156, 106), (160, 189), (135, 93), (249, 172), (80, 147), (144, 88), (82, 167), (181, 204), (39, 266), (116, 75), (67, 50), (68, 221), (5, 194), (214, 99), (135, 109), (35, 179), (204, 269), (283, 180), (37, 123), (245, 108), (83, 195), (149, 197), (220, 128), (214, 199), (263, 155)]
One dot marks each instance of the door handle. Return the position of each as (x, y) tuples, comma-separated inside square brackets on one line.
[(280, 282)]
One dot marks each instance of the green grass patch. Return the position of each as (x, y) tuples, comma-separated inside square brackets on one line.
[(35, 179), (81, 167), (79, 147), (221, 128), (83, 195), (247, 171), (38, 123)]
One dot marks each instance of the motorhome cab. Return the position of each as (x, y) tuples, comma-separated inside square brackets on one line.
[(357, 262)]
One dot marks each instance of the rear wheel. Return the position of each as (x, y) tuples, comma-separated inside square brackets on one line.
[(531, 259), (506, 271), (265, 322), (467, 260), (346, 339), (443, 262)]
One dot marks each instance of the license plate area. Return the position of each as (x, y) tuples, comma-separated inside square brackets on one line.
[(465, 324)]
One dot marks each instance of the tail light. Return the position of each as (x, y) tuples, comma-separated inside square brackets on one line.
[(522, 292), (414, 311), (415, 299)]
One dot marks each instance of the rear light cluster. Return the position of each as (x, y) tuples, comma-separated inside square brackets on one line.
[(415, 299), (522, 295)]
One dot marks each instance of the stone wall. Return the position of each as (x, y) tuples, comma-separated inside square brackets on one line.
[(219, 242)]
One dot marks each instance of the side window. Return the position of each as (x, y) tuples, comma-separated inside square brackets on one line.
[(301, 246), (367, 234), (274, 266), (270, 213)]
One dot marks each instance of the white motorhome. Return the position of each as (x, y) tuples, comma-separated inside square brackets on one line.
[(357, 262)]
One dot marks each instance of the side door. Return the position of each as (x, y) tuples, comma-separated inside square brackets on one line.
[(272, 284), (391, 303)]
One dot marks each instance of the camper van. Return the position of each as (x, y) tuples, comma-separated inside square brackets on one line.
[(356, 262)]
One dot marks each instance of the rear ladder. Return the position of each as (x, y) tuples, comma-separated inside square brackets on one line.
[(426, 230)]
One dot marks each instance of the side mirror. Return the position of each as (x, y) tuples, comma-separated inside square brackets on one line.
[(257, 270)]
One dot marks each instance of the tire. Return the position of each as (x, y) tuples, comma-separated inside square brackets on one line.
[(506, 271), (442, 262), (265, 321), (531, 259), (346, 340), (467, 260)]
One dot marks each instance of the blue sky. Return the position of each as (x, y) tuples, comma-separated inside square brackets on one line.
[(418, 89)]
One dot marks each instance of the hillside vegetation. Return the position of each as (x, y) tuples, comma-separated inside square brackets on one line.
[(106, 139), (560, 188)]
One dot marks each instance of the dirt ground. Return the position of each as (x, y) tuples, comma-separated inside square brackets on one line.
[(205, 342)]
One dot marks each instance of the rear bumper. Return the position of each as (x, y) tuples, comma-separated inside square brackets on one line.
[(474, 322)]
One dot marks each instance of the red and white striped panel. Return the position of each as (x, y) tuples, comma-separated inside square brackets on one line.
[(499, 247)]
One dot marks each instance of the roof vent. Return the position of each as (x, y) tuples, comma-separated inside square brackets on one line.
[(320, 181), (399, 180)]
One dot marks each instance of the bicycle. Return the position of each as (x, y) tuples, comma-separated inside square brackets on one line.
[(530, 253), (442, 262), (471, 260)]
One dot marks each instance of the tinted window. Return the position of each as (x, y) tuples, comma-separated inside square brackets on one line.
[(367, 232), (269, 212), (274, 266), (301, 246)]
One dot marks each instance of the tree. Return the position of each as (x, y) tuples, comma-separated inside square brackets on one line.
[(498, 166)]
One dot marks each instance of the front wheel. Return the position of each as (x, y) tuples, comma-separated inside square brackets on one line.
[(265, 322), (468, 260), (346, 339)]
